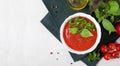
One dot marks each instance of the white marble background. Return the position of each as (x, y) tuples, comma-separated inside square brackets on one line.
[(24, 41)]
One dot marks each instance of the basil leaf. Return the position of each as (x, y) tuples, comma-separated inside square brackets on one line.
[(117, 13), (108, 25), (102, 4), (97, 13), (98, 55), (71, 22), (100, 19), (88, 59), (73, 30), (112, 19), (77, 19), (86, 33), (114, 6), (94, 4), (94, 54)]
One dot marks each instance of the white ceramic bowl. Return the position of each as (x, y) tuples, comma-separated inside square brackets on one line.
[(96, 25)]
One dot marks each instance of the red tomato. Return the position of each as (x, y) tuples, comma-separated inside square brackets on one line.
[(117, 27), (104, 48), (118, 47), (115, 54), (107, 56), (112, 46)]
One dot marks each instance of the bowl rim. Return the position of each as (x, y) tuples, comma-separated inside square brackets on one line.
[(88, 17)]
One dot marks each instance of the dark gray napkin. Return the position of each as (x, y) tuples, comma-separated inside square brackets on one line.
[(59, 10), (50, 24)]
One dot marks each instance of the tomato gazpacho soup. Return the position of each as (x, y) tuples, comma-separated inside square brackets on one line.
[(80, 33)]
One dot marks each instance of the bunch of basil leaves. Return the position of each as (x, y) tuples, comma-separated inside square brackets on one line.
[(107, 12)]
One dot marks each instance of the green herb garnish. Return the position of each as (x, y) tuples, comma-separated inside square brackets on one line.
[(94, 56), (74, 30), (81, 26), (86, 33)]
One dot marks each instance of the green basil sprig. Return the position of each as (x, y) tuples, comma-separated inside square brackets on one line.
[(82, 26)]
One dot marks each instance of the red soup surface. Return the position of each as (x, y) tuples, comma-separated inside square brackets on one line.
[(76, 42)]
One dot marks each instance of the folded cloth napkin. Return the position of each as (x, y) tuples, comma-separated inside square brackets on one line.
[(58, 11)]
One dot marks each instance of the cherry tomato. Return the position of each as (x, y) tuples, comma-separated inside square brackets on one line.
[(112, 46), (117, 27), (115, 54), (104, 48), (118, 47), (107, 56)]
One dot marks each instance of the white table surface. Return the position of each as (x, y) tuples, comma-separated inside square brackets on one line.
[(24, 41)]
